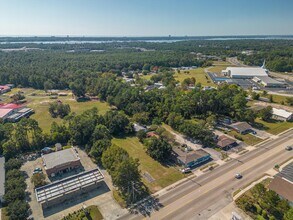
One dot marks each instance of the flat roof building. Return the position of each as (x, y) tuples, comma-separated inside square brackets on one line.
[(245, 72), (61, 161), (267, 81), (282, 115), (2, 178), (68, 188)]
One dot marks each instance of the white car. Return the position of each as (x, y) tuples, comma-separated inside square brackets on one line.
[(238, 176), (186, 170)]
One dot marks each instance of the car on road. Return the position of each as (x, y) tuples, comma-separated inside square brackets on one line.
[(238, 176), (186, 170), (288, 148)]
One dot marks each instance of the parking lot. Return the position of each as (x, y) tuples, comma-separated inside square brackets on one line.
[(102, 196)]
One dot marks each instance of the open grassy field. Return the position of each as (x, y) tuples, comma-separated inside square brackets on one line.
[(199, 75), (280, 99), (247, 138), (162, 175), (275, 127), (40, 103), (218, 69)]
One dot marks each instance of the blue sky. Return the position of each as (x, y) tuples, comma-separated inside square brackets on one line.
[(146, 17)]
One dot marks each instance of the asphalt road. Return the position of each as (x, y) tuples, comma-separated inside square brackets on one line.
[(201, 197)]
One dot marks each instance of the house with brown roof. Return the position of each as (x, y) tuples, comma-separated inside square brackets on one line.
[(283, 187), (225, 143), (282, 183), (190, 158)]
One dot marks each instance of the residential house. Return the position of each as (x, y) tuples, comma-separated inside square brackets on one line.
[(225, 142), (282, 183), (282, 115), (191, 158), (241, 127)]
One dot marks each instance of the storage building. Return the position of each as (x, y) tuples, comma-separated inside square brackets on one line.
[(244, 72), (267, 81)]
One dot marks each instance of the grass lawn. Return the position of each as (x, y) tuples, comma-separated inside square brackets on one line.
[(147, 77), (162, 175), (275, 127), (247, 138), (218, 69), (4, 214), (280, 99), (40, 104), (198, 74), (94, 213)]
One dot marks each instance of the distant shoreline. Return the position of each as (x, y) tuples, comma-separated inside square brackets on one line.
[(168, 39)]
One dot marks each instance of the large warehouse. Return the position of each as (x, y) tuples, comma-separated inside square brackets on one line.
[(267, 81), (61, 161), (244, 72)]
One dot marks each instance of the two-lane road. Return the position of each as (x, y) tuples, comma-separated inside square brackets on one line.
[(201, 197)]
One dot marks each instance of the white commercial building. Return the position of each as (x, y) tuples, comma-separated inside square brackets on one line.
[(282, 115), (244, 72)]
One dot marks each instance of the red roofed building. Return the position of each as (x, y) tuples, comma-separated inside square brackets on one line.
[(10, 106)]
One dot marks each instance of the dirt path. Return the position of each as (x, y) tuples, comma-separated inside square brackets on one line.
[(287, 108)]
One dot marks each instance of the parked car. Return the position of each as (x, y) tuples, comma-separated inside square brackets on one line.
[(38, 169), (238, 176), (288, 148), (186, 170)]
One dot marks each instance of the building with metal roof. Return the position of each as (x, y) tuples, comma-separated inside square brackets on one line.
[(281, 114), (61, 161), (267, 81), (59, 191), (245, 72)]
